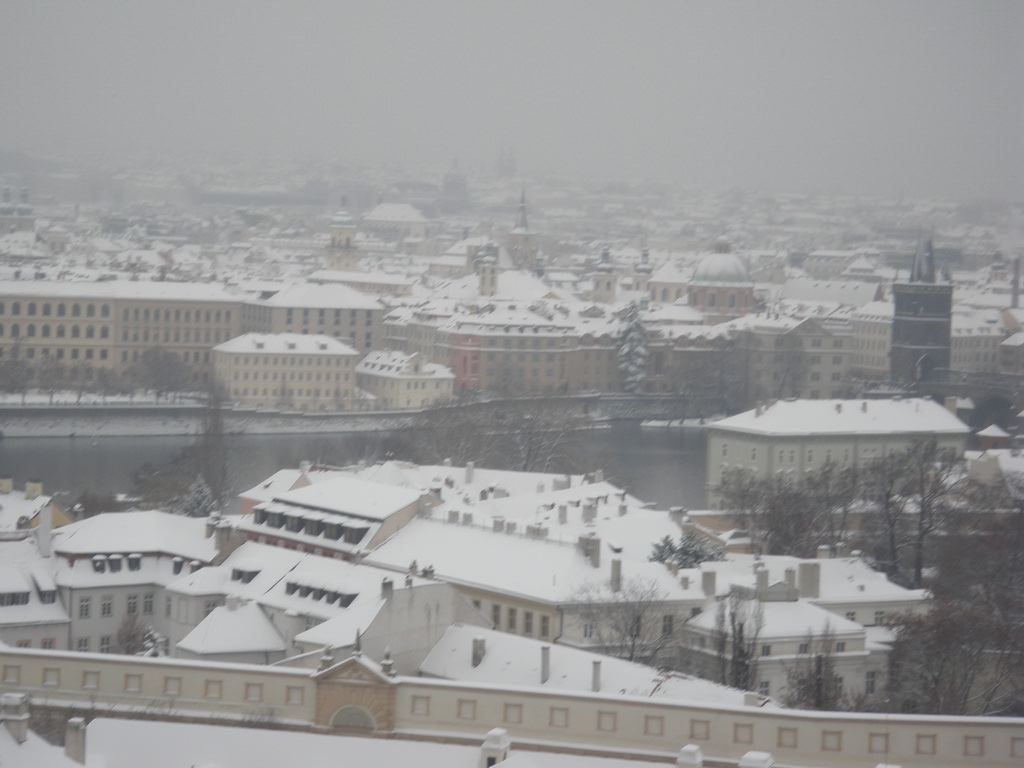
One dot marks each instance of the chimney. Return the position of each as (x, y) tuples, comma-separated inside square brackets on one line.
[(616, 575), (791, 577), (622, 509), (761, 574), (684, 582), (707, 583), (595, 676), (479, 649), (6, 484), (589, 510), (74, 740), (14, 713), (387, 588), (824, 552), (810, 579), (495, 748), (44, 532), (33, 489), (222, 538), (563, 514), (690, 756), (469, 472), (545, 663)]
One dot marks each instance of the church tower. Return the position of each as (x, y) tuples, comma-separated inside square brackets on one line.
[(921, 323), (341, 253), (523, 245)]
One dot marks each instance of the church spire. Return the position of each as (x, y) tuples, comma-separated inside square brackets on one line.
[(521, 215)]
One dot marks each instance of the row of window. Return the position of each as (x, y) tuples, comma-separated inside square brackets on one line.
[(288, 376), (176, 315), (322, 316), (511, 623), (59, 331), (107, 605), (62, 310)]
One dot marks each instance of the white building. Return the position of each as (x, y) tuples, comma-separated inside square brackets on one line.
[(799, 436), (404, 380)]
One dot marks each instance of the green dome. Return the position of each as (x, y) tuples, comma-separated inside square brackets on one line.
[(721, 268)]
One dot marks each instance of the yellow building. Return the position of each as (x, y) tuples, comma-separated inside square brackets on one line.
[(107, 326), (287, 370)]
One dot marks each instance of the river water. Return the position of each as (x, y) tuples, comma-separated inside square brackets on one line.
[(661, 466)]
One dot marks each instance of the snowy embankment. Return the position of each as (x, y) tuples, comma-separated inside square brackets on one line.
[(93, 417)]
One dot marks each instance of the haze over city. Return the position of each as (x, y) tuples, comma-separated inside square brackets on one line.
[(914, 98)]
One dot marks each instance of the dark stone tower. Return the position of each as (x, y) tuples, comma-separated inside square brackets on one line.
[(921, 322)]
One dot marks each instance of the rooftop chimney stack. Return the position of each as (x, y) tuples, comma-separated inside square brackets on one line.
[(14, 713), (387, 588), (44, 532), (761, 575), (595, 676), (616, 575), (74, 740), (545, 663), (479, 650), (495, 748), (469, 472), (707, 583), (690, 756), (810, 579)]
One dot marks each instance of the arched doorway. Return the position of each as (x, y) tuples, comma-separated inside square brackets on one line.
[(353, 718)]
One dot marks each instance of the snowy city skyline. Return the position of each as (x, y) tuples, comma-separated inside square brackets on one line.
[(907, 98)]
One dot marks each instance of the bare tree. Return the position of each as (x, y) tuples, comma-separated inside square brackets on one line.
[(942, 662), (131, 635), (162, 371), (812, 681), (50, 376), (636, 622), (931, 474), (738, 622), (15, 373), (525, 435)]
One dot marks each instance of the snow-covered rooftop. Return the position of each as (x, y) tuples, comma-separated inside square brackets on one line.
[(822, 417)]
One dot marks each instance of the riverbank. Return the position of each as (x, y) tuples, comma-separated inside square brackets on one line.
[(39, 415)]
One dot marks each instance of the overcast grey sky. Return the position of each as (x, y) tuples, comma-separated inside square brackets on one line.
[(890, 96)]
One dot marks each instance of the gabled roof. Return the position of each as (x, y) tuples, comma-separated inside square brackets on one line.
[(234, 628)]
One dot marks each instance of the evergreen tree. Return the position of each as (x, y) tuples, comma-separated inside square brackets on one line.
[(633, 351), (198, 501), (690, 551)]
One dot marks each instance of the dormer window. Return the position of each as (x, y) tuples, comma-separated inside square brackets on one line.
[(177, 564), (134, 561), (114, 562), (99, 563)]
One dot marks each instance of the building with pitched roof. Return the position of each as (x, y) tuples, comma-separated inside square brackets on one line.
[(798, 436)]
